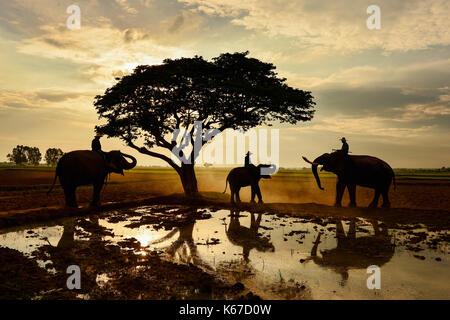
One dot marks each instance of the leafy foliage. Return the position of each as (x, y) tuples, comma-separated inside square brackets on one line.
[(18, 155), (52, 155), (33, 155), (25, 155), (232, 91)]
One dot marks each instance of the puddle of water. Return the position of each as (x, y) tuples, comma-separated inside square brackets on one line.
[(275, 257)]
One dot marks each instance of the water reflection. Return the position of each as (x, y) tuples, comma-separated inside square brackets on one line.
[(183, 248), (247, 237), (336, 254), (353, 252)]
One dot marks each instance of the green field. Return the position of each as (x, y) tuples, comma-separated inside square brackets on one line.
[(400, 173)]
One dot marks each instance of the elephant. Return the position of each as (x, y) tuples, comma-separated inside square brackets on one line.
[(244, 177), (84, 167), (354, 252), (353, 170), (247, 238)]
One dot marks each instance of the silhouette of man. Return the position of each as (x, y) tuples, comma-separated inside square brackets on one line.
[(247, 159), (344, 148), (96, 146), (250, 166)]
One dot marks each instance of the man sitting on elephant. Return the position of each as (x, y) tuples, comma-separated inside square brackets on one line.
[(247, 176), (84, 167), (95, 145), (344, 148), (250, 166)]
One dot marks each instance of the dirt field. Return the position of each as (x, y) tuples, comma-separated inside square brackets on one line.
[(26, 189), (288, 195)]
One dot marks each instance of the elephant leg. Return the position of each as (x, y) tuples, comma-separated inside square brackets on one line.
[(352, 193), (374, 202), (258, 193), (66, 195), (340, 187), (253, 195), (386, 203), (96, 195), (232, 195), (71, 197), (238, 199)]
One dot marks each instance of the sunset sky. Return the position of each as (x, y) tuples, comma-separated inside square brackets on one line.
[(387, 91)]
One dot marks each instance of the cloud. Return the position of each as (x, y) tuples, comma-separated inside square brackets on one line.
[(177, 24), (339, 25), (126, 6), (102, 51), (368, 126), (411, 93)]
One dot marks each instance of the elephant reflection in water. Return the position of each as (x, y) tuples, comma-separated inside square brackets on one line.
[(354, 252), (65, 253), (247, 238), (183, 248)]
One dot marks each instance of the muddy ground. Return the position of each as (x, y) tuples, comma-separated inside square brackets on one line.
[(26, 189), (23, 201)]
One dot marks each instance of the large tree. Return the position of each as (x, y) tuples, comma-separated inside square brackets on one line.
[(52, 156), (33, 155), (233, 91), (18, 155), (25, 155)]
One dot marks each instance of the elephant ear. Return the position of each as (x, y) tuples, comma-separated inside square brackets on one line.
[(112, 165), (339, 162)]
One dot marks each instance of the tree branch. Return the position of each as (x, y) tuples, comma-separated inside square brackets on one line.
[(155, 154)]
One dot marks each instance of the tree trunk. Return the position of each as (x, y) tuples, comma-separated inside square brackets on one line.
[(188, 180)]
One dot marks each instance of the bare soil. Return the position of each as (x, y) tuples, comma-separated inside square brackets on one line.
[(26, 189), (23, 201)]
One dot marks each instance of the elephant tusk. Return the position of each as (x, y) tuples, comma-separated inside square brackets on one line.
[(310, 162), (306, 159)]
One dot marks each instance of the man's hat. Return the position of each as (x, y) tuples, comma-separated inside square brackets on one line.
[(343, 139)]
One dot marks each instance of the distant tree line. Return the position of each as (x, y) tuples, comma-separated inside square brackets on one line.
[(22, 155)]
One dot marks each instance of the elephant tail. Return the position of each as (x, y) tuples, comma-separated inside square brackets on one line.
[(54, 181), (226, 184)]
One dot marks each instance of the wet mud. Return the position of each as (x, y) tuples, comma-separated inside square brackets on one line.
[(191, 252)]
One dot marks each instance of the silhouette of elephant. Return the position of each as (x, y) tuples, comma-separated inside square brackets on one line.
[(84, 167), (184, 248), (353, 170), (354, 252), (244, 177), (247, 238)]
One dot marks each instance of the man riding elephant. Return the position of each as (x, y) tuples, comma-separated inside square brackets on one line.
[(250, 166), (344, 148), (95, 145), (85, 167), (249, 175)]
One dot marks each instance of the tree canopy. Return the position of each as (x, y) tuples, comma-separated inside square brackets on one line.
[(25, 155), (233, 91), (52, 155)]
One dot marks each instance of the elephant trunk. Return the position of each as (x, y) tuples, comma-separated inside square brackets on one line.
[(127, 165), (316, 175)]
